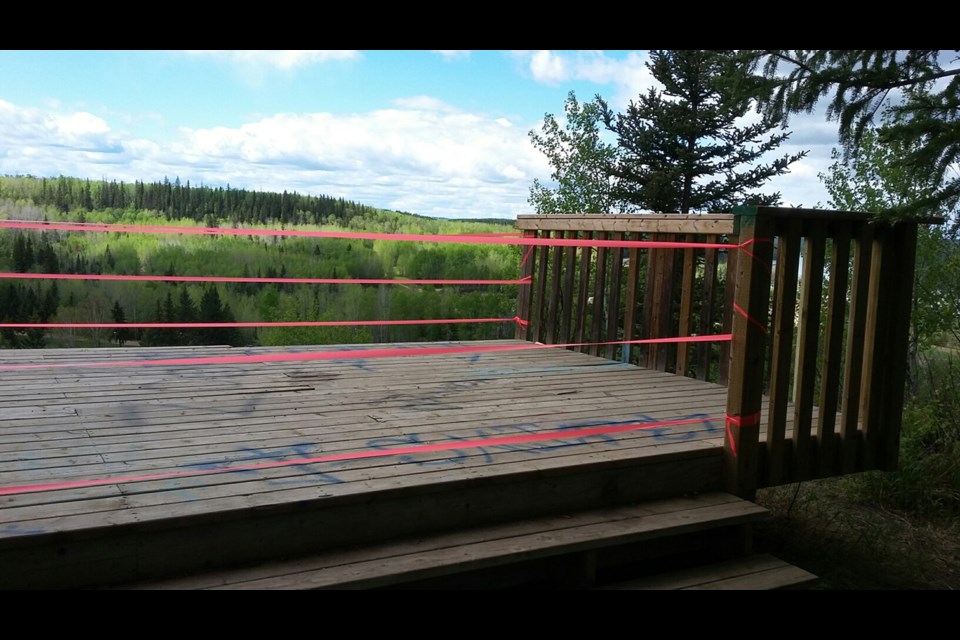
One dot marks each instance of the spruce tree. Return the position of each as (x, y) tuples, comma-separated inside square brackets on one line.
[(119, 317), (685, 147)]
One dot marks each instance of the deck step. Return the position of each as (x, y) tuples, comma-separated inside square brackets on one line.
[(574, 539), (759, 572)]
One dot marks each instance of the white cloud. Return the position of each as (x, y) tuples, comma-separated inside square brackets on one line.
[(628, 75), (452, 54), (421, 156), (30, 128), (548, 67), (423, 103), (80, 124), (281, 59)]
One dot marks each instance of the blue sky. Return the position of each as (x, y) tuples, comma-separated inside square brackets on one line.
[(439, 133)]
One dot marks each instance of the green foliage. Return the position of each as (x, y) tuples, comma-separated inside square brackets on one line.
[(684, 148), (245, 256), (922, 94), (927, 481)]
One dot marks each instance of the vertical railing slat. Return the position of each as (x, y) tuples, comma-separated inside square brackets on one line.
[(539, 304), (586, 259), (569, 275), (807, 348), (707, 309), (598, 295), (784, 316), (833, 350), (613, 297), (686, 309), (629, 316), (729, 291), (648, 353), (553, 306), (850, 439)]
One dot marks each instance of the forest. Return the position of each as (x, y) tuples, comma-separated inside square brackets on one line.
[(25, 300)]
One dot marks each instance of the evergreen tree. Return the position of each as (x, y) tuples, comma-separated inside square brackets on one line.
[(50, 303), (684, 147), (22, 253), (155, 337), (186, 312), (47, 256), (119, 317), (213, 310)]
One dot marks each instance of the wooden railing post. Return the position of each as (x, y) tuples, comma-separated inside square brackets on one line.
[(750, 322)]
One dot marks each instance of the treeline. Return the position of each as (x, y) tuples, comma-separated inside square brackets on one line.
[(176, 200)]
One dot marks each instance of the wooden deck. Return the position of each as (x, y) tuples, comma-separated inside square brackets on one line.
[(134, 470)]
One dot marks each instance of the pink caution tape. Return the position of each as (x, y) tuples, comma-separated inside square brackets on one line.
[(211, 325), (357, 455), (157, 278), (411, 237), (749, 318), (309, 356), (751, 420)]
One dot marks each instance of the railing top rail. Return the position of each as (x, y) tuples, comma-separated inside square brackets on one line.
[(708, 223), (835, 215)]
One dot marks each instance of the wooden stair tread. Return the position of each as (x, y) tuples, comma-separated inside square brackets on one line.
[(759, 572), (447, 554)]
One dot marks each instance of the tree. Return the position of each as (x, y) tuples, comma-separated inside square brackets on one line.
[(579, 159), (921, 94), (213, 310), (119, 317), (22, 253), (186, 312), (685, 147)]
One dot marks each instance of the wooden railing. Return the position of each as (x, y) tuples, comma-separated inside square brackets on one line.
[(818, 303), (819, 355), (592, 295)]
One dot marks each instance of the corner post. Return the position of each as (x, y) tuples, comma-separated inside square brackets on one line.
[(754, 228)]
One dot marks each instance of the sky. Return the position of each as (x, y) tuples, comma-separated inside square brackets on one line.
[(438, 133)]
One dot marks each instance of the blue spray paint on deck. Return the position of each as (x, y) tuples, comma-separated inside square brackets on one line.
[(474, 440), (302, 450)]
